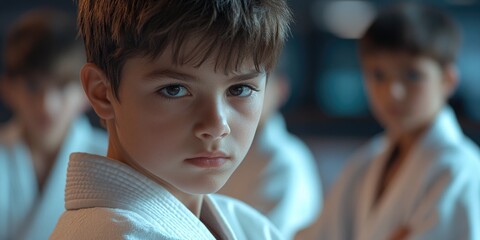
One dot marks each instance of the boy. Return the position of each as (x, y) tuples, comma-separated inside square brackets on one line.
[(180, 86), (279, 176), (43, 59), (418, 180)]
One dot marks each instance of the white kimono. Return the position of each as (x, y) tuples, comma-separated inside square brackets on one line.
[(106, 199), (288, 189), (26, 213), (436, 194)]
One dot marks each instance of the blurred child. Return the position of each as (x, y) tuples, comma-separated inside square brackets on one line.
[(41, 86), (180, 86), (420, 179), (279, 176)]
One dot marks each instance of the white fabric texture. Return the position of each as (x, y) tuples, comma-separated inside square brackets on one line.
[(25, 212), (106, 199), (291, 179), (436, 194)]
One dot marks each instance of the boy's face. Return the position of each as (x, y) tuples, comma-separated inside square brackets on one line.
[(43, 106), (405, 92), (186, 127)]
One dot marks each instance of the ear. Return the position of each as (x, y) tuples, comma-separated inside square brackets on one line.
[(98, 91), (451, 78)]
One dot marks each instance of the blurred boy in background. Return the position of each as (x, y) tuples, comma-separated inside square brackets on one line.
[(41, 86), (279, 176), (420, 178)]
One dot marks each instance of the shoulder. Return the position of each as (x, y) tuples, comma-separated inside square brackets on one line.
[(284, 144), (103, 223), (242, 217), (454, 166), (446, 146), (458, 162), (463, 155), (296, 155), (293, 159)]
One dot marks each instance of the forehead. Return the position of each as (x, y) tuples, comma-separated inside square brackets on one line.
[(187, 59), (146, 68), (397, 59), (224, 55), (41, 79)]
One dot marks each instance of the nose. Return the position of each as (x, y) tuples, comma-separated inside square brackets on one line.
[(213, 121), (397, 90)]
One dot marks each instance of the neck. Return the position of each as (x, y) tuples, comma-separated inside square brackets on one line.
[(192, 201), (407, 139), (43, 146), (37, 146), (45, 143), (43, 155)]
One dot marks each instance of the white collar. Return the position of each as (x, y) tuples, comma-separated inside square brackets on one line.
[(96, 181)]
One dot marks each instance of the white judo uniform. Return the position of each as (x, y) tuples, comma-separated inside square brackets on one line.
[(106, 199), (25, 212), (287, 189), (436, 194)]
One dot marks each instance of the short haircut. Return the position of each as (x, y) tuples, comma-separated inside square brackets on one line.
[(44, 41), (228, 31), (419, 30)]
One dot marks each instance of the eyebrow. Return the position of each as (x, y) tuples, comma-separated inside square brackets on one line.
[(156, 74)]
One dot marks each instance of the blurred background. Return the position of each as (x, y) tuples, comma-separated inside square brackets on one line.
[(327, 107)]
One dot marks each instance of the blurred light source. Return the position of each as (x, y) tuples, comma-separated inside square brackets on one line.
[(345, 19)]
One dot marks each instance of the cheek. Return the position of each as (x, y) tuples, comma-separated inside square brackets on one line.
[(149, 130), (425, 99), (245, 121), (373, 91), (23, 104), (376, 97), (29, 109), (251, 110)]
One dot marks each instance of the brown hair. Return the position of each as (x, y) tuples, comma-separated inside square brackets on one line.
[(234, 30), (44, 41), (419, 30)]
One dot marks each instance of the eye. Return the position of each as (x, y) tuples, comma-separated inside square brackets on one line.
[(241, 91), (32, 86), (378, 75), (174, 91), (412, 75)]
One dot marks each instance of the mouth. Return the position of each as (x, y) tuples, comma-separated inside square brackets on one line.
[(394, 111), (209, 159), (43, 125)]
